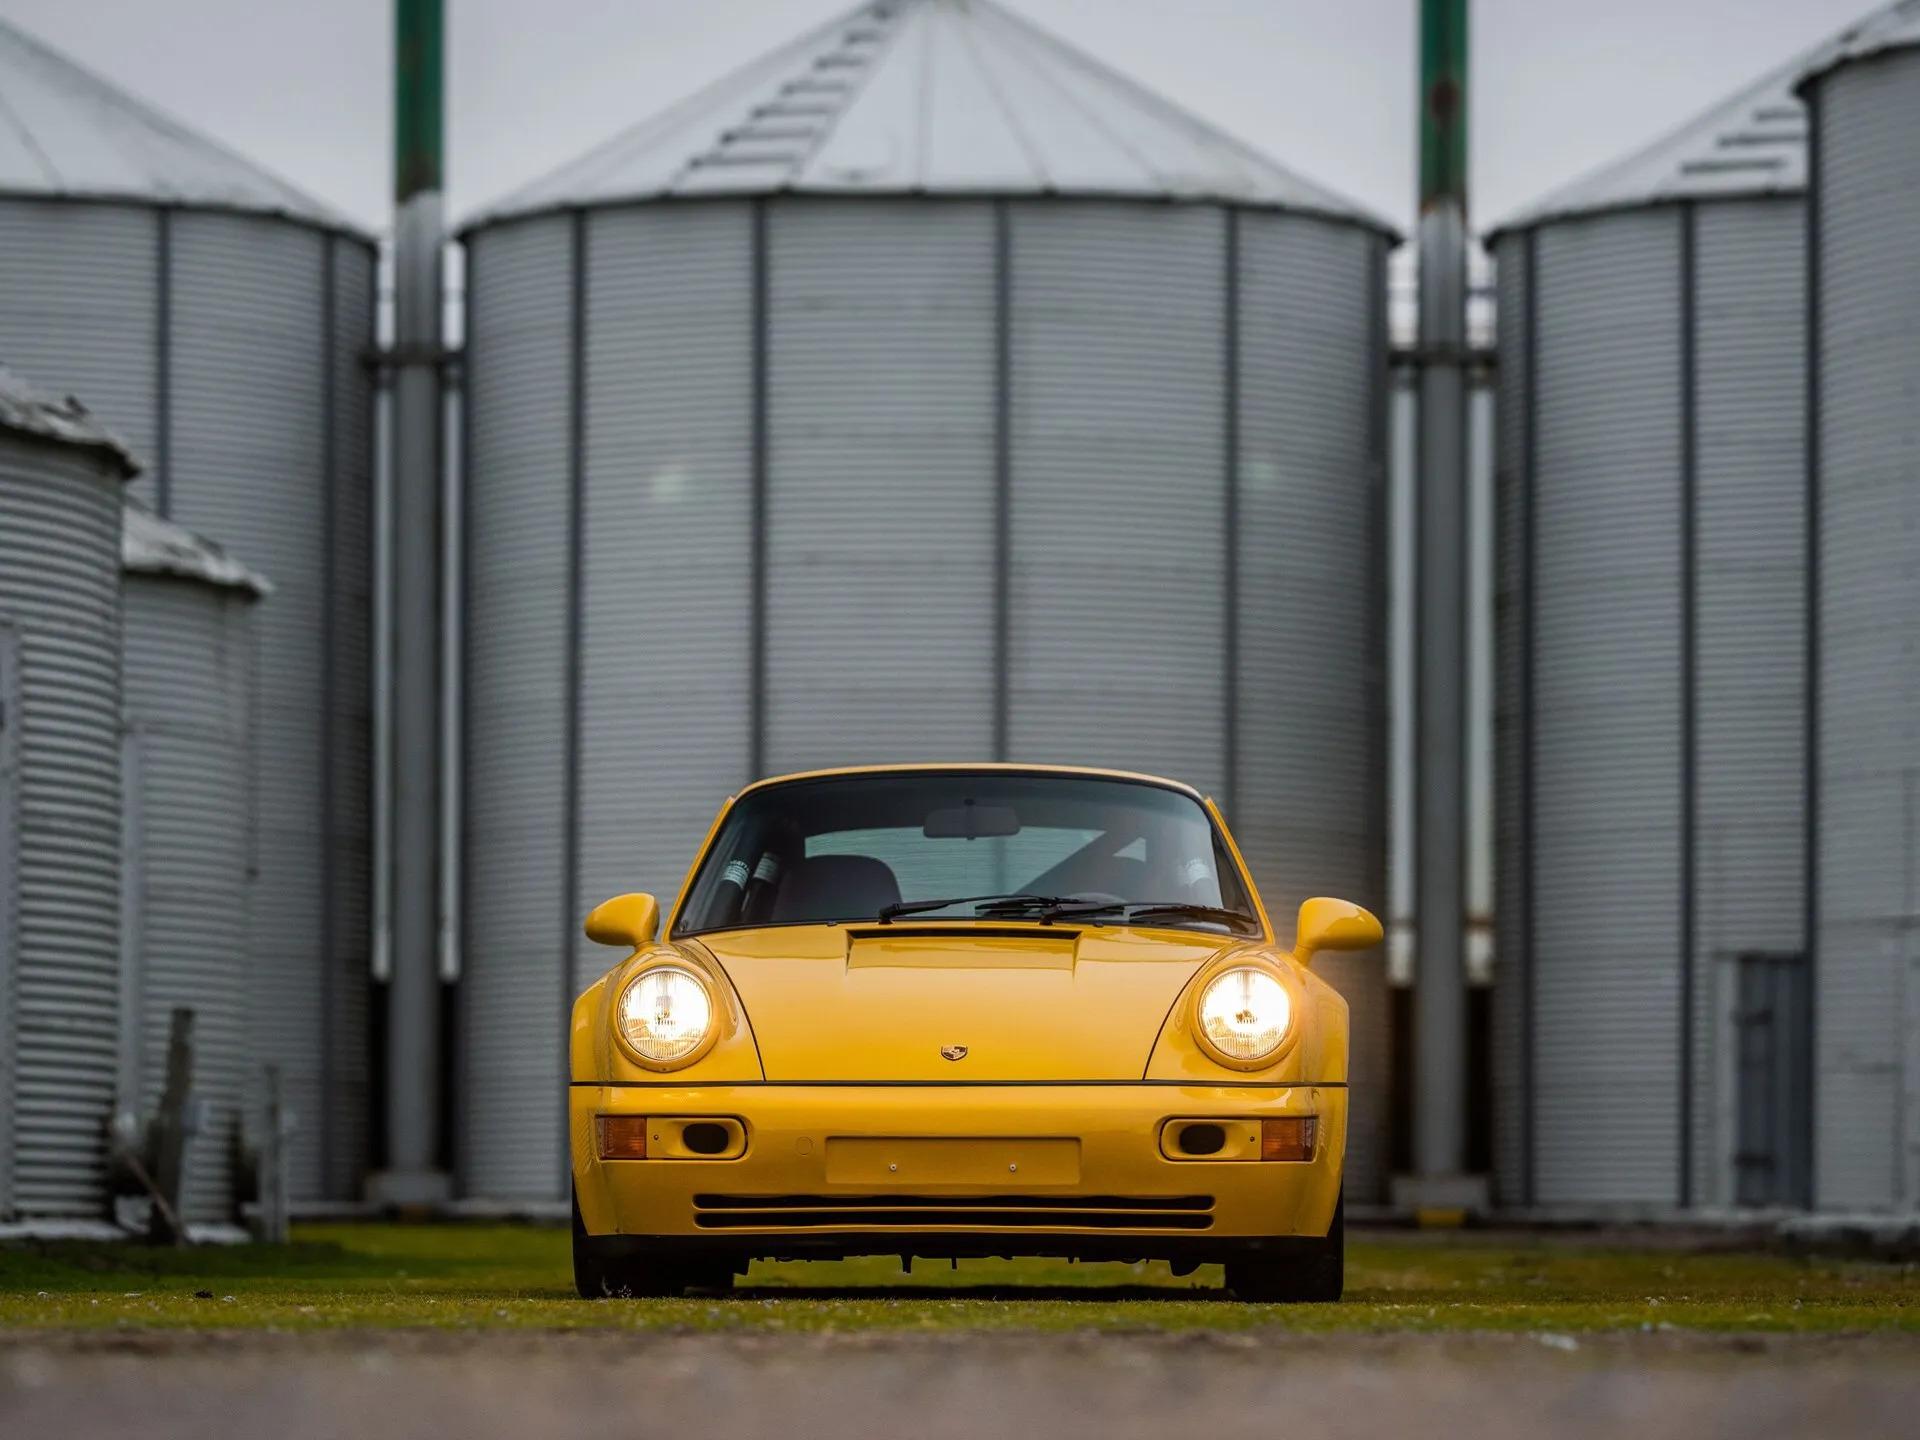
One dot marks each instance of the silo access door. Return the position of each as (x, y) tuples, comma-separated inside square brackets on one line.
[(1773, 1135)]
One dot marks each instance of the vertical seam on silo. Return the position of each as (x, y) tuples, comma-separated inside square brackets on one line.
[(9, 907), (369, 376), (757, 540), (329, 579), (576, 594), (163, 362), (1230, 542), (1810, 677), (1529, 524), (1379, 383), (1002, 480), (457, 1146), (1689, 678)]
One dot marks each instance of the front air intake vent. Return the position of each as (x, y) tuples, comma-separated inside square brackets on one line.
[(878, 1212)]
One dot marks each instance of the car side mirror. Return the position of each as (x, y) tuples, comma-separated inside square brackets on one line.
[(630, 920), (1329, 924)]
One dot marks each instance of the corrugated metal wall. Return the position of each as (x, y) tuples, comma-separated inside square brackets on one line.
[(10, 779), (229, 351), (60, 593), (1750, 694), (1650, 708), (1607, 710), (1308, 800), (853, 390), (1512, 1030), (189, 693), (1118, 619), (80, 310), (880, 483), (345, 661), (520, 337), (1867, 865), (667, 599), (269, 438)]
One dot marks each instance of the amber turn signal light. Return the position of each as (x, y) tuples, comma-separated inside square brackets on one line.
[(623, 1137), (1290, 1137)]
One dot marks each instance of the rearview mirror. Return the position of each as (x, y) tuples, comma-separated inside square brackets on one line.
[(630, 920), (1329, 924), (971, 822)]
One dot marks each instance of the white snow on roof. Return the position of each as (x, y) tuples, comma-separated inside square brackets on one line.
[(25, 411), (66, 132), (1754, 143), (925, 96), (152, 546)]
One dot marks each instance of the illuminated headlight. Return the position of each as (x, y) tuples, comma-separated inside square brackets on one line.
[(665, 1013), (1245, 1013)]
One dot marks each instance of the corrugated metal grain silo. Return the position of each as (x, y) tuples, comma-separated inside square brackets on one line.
[(60, 484), (221, 318), (1864, 98), (1650, 680), (923, 391), (190, 687)]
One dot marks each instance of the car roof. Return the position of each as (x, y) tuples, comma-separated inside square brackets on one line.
[(976, 767)]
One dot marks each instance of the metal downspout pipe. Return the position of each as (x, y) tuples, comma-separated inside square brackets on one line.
[(413, 1174), (1439, 1183)]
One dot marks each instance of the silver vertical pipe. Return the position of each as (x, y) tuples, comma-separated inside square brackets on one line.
[(413, 995), (1440, 1021), (412, 1175), (1440, 587), (381, 946), (452, 655)]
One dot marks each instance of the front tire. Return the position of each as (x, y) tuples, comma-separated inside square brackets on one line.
[(599, 1276), (1315, 1276)]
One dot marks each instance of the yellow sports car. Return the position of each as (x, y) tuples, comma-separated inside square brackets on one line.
[(946, 1011)]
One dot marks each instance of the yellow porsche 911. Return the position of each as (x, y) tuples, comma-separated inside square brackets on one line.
[(945, 1011)]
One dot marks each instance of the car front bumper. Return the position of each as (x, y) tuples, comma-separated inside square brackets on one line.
[(982, 1169)]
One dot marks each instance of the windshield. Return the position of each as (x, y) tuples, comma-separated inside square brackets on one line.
[(949, 846)]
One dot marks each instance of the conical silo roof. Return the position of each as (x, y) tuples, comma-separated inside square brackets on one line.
[(1896, 27), (1752, 143), (25, 411), (67, 133), (936, 97), (150, 545)]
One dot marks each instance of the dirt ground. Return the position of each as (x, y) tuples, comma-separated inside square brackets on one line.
[(480, 1385)]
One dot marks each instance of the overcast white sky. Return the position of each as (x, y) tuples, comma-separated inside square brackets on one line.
[(1325, 86)]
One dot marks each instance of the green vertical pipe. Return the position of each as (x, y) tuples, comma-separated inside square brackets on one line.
[(1443, 102), (419, 127)]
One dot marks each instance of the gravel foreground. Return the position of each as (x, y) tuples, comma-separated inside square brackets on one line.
[(932, 1387)]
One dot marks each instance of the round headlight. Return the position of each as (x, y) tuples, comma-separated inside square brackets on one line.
[(1245, 1013), (665, 1013)]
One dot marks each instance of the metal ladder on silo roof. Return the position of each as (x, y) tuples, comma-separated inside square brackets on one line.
[(1757, 148), (782, 133)]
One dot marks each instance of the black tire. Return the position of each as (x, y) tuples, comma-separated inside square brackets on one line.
[(1315, 1276), (589, 1270), (598, 1276)]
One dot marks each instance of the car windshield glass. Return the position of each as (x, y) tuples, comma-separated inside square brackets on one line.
[(965, 846)]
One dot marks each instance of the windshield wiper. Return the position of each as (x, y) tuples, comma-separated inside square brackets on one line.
[(1234, 918), (984, 904), (1142, 909)]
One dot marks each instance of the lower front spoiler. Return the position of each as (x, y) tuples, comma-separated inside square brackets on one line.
[(737, 1252)]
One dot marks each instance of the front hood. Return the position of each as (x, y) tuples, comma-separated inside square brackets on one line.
[(1028, 1003)]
